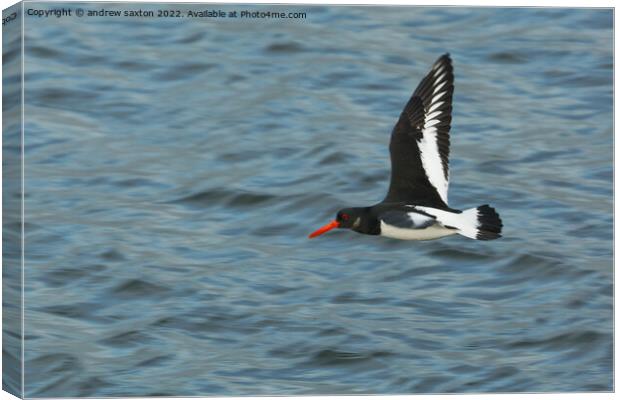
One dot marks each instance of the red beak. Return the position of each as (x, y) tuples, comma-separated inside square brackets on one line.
[(322, 230)]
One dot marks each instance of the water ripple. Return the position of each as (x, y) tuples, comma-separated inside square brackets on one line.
[(174, 173)]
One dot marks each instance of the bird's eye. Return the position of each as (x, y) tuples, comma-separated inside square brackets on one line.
[(345, 217)]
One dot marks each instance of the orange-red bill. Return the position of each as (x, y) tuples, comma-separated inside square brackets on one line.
[(322, 230)]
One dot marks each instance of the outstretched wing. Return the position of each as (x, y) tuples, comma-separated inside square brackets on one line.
[(420, 143)]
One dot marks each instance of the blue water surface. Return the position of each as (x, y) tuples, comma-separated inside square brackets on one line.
[(174, 167)]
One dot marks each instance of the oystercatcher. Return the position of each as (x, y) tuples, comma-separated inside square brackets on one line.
[(416, 205)]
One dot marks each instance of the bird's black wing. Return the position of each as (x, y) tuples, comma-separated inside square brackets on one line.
[(420, 143), (407, 220)]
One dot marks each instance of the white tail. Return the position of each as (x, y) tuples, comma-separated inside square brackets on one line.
[(480, 223)]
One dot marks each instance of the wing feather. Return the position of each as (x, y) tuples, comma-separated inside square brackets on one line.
[(420, 142)]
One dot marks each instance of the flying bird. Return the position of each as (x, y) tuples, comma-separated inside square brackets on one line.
[(416, 205)]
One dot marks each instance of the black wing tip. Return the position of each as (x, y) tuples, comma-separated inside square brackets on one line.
[(425, 93), (415, 112), (444, 58), (490, 223)]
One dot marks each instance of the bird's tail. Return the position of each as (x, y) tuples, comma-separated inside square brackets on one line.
[(481, 223)]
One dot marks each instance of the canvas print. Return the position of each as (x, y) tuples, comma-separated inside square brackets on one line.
[(239, 199)]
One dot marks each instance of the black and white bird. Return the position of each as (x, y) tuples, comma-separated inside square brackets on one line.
[(416, 205)]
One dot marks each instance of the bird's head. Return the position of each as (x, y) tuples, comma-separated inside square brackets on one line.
[(348, 218)]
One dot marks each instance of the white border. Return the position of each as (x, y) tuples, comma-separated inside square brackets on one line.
[(23, 217), (480, 3), (428, 3)]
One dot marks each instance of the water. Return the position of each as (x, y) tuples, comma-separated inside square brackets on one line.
[(175, 167)]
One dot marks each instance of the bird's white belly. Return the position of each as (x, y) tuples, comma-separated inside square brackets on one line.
[(435, 231)]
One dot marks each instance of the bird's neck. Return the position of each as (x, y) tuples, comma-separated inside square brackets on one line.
[(369, 224)]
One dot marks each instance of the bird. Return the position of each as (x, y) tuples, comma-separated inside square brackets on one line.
[(416, 204)]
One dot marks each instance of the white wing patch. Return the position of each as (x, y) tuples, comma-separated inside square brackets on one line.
[(431, 161), (435, 105), (429, 151), (419, 219), (466, 222)]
